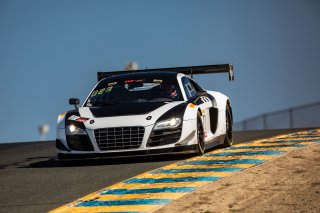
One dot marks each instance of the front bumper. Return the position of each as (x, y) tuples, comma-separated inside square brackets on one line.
[(186, 144), (181, 150)]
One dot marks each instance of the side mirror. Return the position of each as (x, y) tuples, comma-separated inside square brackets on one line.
[(74, 101), (201, 93)]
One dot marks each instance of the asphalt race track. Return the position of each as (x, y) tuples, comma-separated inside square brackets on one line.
[(32, 180)]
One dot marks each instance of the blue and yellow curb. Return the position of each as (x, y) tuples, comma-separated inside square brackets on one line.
[(152, 190)]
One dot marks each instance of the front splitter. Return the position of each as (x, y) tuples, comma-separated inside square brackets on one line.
[(173, 150)]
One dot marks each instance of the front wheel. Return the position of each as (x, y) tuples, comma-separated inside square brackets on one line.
[(200, 136), (228, 141)]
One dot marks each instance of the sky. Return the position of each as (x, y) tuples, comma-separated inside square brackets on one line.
[(50, 50)]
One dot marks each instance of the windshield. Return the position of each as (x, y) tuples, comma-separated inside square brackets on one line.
[(133, 91)]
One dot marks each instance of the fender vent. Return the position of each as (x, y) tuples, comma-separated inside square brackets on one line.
[(213, 119)]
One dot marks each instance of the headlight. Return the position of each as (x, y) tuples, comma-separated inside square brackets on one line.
[(74, 130), (168, 124)]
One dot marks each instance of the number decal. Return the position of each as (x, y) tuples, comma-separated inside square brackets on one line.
[(101, 91), (94, 93)]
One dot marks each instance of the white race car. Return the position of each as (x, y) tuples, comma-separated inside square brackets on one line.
[(155, 111)]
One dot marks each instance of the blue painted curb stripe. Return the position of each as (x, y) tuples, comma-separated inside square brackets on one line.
[(305, 136), (283, 141), (170, 180), (212, 162), (270, 152), (262, 147), (173, 171), (123, 202), (152, 190), (294, 140)]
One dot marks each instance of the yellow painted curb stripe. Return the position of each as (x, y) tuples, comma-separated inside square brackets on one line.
[(160, 185), (141, 196), (189, 174), (130, 208)]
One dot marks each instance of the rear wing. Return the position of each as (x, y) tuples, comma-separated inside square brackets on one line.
[(193, 70)]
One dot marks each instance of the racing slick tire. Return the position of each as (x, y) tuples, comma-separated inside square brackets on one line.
[(228, 140), (200, 136)]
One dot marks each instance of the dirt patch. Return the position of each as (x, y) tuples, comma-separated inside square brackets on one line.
[(290, 183)]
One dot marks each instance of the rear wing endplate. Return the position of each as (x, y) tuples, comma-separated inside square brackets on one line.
[(192, 70)]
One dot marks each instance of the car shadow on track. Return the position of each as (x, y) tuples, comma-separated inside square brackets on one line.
[(49, 162), (52, 161)]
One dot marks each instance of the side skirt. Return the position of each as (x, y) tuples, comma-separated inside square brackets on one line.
[(215, 142)]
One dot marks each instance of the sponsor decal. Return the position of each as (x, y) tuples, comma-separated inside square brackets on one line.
[(157, 81), (78, 118), (62, 114), (112, 84), (192, 105), (133, 81)]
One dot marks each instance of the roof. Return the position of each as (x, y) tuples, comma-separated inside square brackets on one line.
[(142, 75)]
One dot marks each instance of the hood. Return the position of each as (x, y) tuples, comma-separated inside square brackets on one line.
[(125, 109), (125, 115)]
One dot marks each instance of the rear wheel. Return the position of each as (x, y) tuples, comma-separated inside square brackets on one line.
[(200, 136), (228, 141)]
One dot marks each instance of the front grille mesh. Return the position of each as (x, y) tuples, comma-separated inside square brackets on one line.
[(119, 138)]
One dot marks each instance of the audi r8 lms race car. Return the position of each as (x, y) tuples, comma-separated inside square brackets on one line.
[(154, 111)]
